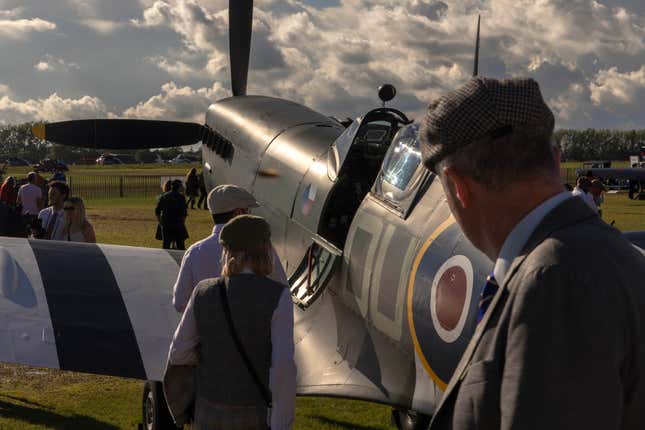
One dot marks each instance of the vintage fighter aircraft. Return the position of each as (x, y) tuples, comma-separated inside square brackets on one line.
[(385, 285)]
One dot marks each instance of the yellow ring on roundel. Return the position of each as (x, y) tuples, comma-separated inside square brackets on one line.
[(413, 275)]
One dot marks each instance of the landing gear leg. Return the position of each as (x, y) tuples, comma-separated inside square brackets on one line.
[(410, 420), (156, 415)]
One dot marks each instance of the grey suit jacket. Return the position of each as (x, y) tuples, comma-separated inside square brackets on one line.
[(562, 345)]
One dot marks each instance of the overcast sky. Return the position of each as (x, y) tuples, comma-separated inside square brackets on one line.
[(168, 59)]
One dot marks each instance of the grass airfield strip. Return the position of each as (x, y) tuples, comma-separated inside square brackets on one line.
[(43, 399)]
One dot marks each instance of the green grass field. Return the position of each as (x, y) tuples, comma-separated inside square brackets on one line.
[(44, 399)]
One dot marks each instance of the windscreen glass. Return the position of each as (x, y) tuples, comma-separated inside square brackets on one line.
[(404, 158)]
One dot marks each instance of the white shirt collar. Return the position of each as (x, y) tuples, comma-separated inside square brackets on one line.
[(521, 233), (216, 229)]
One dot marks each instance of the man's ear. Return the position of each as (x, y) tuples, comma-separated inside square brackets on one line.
[(557, 155), (459, 185)]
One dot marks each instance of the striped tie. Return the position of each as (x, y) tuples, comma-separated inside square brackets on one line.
[(487, 296)]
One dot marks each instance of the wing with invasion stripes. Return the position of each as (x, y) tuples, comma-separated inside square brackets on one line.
[(85, 307), (108, 310)]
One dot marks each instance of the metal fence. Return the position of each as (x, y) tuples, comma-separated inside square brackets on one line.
[(569, 175), (113, 186)]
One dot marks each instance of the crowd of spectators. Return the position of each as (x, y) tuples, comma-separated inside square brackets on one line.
[(43, 209)]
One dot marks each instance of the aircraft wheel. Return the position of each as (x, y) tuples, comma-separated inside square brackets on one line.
[(156, 415), (410, 420)]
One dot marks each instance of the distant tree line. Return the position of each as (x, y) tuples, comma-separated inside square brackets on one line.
[(18, 141), (591, 144), (580, 145)]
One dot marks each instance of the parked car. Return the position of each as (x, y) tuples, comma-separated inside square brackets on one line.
[(50, 165), (181, 159), (108, 159), (14, 161)]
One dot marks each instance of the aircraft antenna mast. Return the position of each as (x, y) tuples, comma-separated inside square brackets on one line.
[(476, 62)]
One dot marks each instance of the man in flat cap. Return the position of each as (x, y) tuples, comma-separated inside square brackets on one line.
[(203, 258), (561, 341)]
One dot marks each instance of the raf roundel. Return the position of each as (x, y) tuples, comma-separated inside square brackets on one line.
[(442, 300), (450, 297)]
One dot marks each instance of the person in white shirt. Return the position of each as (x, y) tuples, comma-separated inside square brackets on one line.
[(203, 259), (582, 190), (227, 395), (30, 196), (52, 218)]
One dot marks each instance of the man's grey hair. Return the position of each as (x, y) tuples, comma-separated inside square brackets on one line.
[(498, 162)]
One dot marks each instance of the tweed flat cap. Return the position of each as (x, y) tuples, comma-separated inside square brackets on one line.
[(245, 232), (481, 108), (227, 198)]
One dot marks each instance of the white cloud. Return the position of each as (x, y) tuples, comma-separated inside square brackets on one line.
[(52, 108), (332, 56), (103, 26), (19, 29), (85, 7), (43, 66), (11, 13), (177, 103), (51, 64), (204, 32), (569, 105), (173, 67), (618, 91)]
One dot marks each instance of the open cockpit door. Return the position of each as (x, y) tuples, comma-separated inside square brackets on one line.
[(329, 196), (354, 162)]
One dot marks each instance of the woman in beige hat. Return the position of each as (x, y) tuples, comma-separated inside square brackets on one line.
[(238, 331)]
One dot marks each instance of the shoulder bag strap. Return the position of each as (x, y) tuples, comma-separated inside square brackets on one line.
[(238, 343)]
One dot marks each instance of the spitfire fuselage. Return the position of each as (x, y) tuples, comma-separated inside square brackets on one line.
[(395, 314)]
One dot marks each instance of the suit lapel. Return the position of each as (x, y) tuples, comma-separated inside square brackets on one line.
[(571, 211)]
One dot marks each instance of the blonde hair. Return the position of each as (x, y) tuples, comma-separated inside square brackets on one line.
[(258, 259), (77, 202)]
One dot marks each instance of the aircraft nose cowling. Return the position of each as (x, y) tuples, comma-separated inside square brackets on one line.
[(16, 286)]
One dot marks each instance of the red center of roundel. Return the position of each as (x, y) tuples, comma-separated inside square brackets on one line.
[(450, 297)]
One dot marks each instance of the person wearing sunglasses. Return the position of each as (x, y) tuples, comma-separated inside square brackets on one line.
[(77, 227)]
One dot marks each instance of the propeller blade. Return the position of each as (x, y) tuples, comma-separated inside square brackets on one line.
[(120, 133), (476, 65), (240, 27)]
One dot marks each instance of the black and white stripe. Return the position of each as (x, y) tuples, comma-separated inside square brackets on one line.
[(84, 307)]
